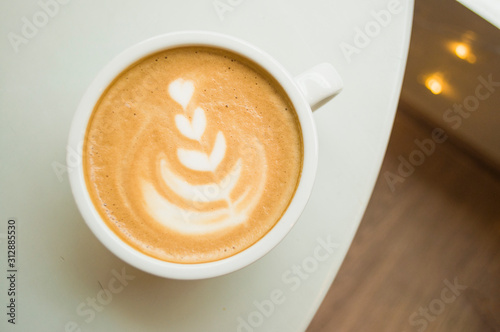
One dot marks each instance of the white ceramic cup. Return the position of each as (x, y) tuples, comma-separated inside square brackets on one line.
[(306, 91)]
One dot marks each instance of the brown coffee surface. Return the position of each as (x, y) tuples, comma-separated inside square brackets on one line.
[(192, 154)]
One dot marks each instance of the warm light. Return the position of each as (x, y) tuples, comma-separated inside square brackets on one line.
[(462, 51), (434, 83), (471, 58)]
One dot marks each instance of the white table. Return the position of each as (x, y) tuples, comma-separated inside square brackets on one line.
[(66, 280)]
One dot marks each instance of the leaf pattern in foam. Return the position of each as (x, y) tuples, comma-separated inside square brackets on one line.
[(181, 91), (192, 220), (200, 161), (201, 192), (192, 129)]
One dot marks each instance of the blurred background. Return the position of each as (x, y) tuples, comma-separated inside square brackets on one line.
[(426, 256)]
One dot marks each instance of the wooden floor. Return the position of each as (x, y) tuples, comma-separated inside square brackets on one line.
[(420, 245)]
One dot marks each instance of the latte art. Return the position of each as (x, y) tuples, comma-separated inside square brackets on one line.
[(192, 154), (201, 222)]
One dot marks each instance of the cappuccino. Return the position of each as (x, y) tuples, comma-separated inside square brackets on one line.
[(192, 154)]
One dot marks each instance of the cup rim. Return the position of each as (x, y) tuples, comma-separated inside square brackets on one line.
[(196, 270)]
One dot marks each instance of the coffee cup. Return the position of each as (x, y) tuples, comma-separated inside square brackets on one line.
[(198, 153)]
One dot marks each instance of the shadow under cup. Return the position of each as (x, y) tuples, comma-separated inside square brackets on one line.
[(206, 157)]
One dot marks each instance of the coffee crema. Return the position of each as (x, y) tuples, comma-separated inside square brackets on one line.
[(192, 154)]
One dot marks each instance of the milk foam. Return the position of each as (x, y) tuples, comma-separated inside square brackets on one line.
[(190, 220), (192, 155), (202, 161), (181, 91), (192, 129), (210, 192)]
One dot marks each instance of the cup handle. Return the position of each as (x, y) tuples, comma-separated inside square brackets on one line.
[(319, 84)]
